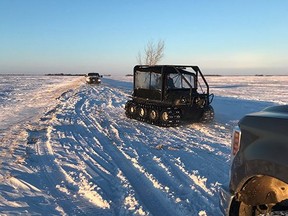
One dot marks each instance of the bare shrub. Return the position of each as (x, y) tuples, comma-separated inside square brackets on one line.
[(153, 53)]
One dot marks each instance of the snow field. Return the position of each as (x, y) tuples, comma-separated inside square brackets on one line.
[(80, 155)]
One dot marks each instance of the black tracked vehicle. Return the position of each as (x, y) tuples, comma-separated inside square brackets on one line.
[(166, 95)]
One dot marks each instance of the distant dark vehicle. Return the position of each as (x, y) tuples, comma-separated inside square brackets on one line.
[(164, 95), (259, 171), (93, 78)]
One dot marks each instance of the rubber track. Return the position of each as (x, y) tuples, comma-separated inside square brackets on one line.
[(174, 114), (208, 115)]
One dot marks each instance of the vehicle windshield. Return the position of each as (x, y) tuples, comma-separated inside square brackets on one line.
[(147, 80), (93, 74)]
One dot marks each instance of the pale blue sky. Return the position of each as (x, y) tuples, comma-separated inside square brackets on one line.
[(80, 36)]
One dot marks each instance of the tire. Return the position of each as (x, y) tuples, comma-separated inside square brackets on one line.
[(241, 209), (142, 112), (153, 115), (164, 116), (167, 118), (130, 109), (246, 210)]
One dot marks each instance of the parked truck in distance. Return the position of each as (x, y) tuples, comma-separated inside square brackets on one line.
[(259, 170), (93, 78)]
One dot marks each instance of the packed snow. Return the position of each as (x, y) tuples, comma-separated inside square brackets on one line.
[(67, 147)]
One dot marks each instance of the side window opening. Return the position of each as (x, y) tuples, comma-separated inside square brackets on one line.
[(155, 81), (190, 79), (176, 81), (147, 80)]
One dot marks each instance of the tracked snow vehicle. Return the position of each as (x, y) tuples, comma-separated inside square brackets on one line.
[(166, 95)]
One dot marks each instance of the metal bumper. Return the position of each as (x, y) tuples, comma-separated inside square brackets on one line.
[(225, 199)]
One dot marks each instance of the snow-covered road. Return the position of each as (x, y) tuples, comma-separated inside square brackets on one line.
[(80, 155)]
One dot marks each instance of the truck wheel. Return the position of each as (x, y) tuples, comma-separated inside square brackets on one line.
[(246, 210), (241, 209)]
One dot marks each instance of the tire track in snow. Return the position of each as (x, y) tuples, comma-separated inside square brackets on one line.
[(111, 121), (152, 199), (70, 138), (174, 179), (51, 175), (82, 128), (92, 126), (188, 181), (211, 156)]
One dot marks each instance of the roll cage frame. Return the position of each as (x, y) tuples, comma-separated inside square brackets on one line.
[(165, 70)]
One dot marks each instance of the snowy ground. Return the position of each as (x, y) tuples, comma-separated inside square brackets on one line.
[(68, 149)]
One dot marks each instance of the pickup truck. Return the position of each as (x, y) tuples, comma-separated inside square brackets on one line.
[(93, 78), (259, 169)]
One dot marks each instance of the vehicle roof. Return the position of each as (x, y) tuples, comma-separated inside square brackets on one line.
[(167, 68)]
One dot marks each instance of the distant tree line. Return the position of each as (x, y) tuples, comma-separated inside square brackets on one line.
[(63, 74)]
